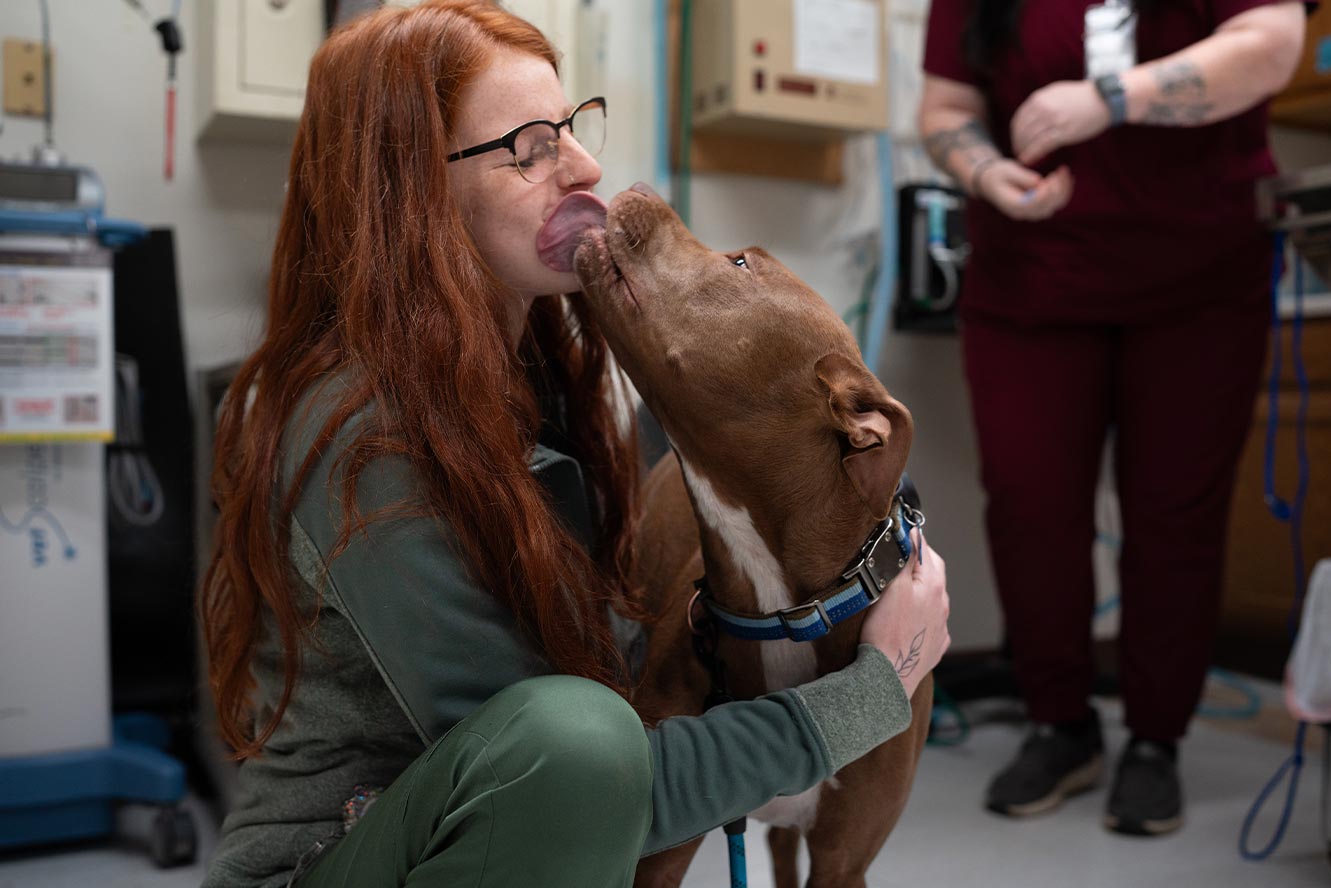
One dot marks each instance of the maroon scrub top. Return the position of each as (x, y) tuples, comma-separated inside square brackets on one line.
[(1160, 218)]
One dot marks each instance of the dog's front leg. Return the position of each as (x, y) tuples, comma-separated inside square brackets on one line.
[(856, 815), (784, 843), (666, 869)]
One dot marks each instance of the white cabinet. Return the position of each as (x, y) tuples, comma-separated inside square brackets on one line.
[(557, 20), (254, 57)]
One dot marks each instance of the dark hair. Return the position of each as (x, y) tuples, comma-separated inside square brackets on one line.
[(991, 28)]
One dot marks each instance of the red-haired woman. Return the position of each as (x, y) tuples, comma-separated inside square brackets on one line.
[(427, 511)]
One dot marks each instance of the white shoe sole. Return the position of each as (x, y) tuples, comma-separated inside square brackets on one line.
[(1145, 828), (1085, 778)]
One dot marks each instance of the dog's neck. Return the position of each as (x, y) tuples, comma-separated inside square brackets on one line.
[(746, 572)]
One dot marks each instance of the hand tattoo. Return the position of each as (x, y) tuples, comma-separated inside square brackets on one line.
[(1183, 90), (906, 662), (970, 138)]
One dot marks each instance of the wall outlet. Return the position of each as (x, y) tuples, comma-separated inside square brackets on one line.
[(25, 80)]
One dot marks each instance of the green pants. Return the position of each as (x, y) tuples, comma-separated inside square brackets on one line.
[(548, 784)]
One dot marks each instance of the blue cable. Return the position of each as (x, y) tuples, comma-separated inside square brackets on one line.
[(1301, 442), (943, 731), (1293, 764), (1249, 708), (681, 191), (1284, 511), (1279, 508), (663, 182), (887, 261)]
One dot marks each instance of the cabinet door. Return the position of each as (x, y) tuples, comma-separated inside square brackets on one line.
[(566, 23), (277, 40)]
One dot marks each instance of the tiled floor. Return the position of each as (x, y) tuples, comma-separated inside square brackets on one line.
[(946, 839)]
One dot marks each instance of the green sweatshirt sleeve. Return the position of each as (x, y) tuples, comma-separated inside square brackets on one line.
[(711, 769)]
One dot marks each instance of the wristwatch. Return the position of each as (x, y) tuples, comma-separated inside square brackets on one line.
[(1110, 88)]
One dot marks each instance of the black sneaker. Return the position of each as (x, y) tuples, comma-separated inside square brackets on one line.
[(1055, 762), (1146, 799)]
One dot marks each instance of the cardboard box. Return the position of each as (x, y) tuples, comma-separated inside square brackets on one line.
[(55, 693), (1306, 101), (804, 70)]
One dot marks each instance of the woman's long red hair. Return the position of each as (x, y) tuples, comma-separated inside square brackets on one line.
[(374, 273)]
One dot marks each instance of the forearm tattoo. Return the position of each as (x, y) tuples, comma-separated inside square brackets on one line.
[(1182, 100), (970, 139), (907, 660)]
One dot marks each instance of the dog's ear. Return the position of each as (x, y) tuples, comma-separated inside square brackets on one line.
[(877, 429)]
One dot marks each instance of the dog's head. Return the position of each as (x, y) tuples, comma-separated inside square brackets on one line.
[(755, 379)]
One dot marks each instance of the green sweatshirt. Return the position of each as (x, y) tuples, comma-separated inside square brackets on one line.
[(406, 645)]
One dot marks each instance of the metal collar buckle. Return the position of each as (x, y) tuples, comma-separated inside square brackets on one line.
[(862, 584), (870, 569), (786, 613)]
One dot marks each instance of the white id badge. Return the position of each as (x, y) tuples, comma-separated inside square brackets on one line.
[(1110, 38)]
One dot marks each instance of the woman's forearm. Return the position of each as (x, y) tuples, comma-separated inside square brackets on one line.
[(958, 143), (1220, 76)]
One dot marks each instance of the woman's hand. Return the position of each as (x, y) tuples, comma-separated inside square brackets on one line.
[(909, 623), (1065, 113), (1021, 193)]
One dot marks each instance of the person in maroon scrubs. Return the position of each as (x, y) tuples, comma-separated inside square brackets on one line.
[(1119, 280)]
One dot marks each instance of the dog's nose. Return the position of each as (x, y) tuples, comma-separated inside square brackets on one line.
[(644, 189)]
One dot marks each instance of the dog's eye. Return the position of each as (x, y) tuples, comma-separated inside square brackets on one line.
[(740, 262)]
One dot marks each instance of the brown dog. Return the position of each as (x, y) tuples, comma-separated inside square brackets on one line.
[(790, 451)]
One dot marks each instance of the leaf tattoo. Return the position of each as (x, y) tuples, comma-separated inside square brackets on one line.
[(906, 662)]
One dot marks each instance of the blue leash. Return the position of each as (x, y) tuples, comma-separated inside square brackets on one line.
[(739, 870), (1291, 513)]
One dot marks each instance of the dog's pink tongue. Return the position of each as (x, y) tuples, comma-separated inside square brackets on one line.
[(558, 238)]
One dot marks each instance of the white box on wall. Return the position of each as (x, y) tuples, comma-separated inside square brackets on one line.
[(254, 58), (578, 31), (55, 692)]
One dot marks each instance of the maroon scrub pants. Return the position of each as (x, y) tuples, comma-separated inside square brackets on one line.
[(1178, 391)]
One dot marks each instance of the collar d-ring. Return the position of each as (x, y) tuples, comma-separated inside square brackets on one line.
[(694, 606)]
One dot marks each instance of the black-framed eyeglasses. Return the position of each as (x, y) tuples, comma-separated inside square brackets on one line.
[(535, 144)]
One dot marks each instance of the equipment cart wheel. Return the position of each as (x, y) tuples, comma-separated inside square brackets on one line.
[(175, 841)]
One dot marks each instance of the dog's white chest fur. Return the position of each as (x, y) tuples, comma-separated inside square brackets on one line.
[(785, 663), (797, 811)]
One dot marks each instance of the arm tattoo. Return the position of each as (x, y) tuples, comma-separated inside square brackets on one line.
[(1182, 95), (970, 139), (1180, 79), (906, 662), (1177, 115)]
